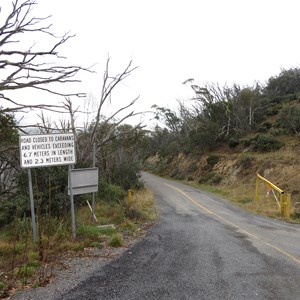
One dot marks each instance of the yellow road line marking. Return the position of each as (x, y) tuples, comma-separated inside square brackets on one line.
[(292, 257)]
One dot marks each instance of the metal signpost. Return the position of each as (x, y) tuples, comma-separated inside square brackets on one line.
[(41, 150), (72, 203), (93, 201), (31, 206), (82, 181)]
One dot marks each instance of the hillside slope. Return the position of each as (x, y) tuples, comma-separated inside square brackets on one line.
[(232, 172), (250, 130)]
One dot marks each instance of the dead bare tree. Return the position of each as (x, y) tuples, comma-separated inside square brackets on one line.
[(25, 64), (31, 67), (103, 128)]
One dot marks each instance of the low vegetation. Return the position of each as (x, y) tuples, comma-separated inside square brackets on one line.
[(23, 263)]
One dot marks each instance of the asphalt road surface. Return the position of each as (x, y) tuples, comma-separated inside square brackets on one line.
[(201, 248)]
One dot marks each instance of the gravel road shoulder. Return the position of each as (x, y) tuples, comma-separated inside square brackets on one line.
[(71, 271)]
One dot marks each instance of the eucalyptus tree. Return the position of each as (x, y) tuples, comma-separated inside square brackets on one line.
[(287, 82), (216, 113)]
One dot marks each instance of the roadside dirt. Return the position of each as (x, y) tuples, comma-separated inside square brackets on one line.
[(64, 271), (235, 169)]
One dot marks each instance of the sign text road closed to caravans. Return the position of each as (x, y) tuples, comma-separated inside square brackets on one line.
[(42, 150)]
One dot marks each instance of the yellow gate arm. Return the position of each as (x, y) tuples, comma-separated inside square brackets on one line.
[(269, 184), (285, 199)]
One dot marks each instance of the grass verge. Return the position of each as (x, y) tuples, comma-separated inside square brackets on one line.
[(22, 263), (244, 196)]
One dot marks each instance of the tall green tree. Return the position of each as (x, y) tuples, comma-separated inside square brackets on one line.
[(286, 83)]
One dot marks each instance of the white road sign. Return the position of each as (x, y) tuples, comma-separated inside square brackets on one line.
[(42, 150)]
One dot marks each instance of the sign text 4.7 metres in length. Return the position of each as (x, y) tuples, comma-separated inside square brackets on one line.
[(47, 150)]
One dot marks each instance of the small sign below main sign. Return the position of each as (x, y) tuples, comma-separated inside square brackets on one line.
[(41, 150), (84, 181)]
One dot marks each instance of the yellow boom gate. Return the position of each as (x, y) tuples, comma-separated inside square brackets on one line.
[(282, 199)]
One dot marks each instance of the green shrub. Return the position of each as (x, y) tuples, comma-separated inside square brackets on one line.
[(26, 271), (92, 231), (289, 119), (247, 142), (161, 167), (20, 227), (190, 178), (264, 127), (263, 143), (204, 140), (277, 131), (266, 143), (233, 142), (273, 110), (192, 168), (33, 259), (211, 161), (115, 240), (12, 208), (128, 225), (50, 188), (110, 192), (127, 176), (211, 178)]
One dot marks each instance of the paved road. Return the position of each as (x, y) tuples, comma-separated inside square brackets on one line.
[(202, 248)]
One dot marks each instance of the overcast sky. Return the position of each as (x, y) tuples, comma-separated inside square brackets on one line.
[(222, 41)]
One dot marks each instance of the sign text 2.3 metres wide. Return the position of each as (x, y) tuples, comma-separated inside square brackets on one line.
[(47, 150)]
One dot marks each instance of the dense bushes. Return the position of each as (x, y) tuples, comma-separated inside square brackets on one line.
[(289, 119), (285, 84), (212, 160), (110, 192), (263, 143), (210, 178), (127, 176)]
